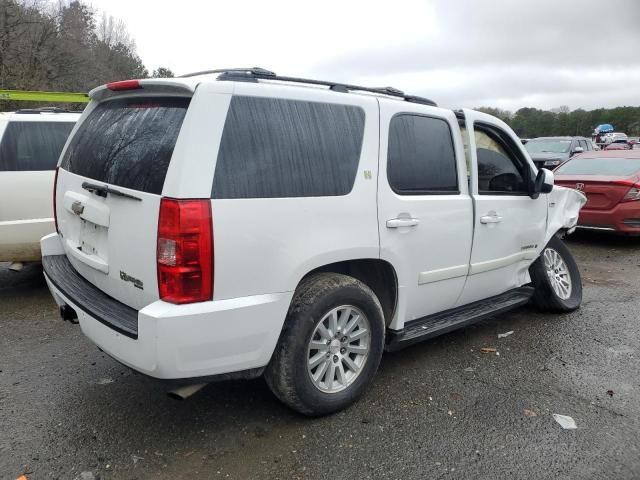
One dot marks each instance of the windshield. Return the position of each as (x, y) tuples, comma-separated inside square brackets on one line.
[(622, 167), (128, 142), (548, 146)]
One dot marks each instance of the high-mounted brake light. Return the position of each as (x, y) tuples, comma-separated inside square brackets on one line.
[(55, 208), (185, 251), (124, 85)]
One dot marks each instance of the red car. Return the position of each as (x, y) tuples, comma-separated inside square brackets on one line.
[(617, 146), (611, 182)]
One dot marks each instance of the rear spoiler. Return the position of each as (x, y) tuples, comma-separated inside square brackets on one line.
[(151, 85)]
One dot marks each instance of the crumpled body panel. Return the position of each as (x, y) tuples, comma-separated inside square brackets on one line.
[(564, 207)]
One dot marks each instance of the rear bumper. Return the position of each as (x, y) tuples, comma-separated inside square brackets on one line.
[(177, 341), (623, 218)]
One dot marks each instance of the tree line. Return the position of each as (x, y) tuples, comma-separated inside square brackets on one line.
[(532, 122), (63, 46)]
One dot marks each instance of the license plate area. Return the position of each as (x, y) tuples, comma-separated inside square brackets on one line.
[(92, 239)]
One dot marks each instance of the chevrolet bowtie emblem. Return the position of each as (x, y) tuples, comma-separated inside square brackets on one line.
[(77, 207)]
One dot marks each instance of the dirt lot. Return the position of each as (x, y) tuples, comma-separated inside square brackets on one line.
[(440, 409)]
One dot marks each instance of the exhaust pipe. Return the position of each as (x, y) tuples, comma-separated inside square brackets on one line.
[(68, 314), (182, 393)]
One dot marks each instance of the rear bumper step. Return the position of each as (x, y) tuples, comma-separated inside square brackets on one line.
[(90, 299), (443, 322)]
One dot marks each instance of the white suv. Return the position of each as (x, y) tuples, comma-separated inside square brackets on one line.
[(30, 144), (239, 223)]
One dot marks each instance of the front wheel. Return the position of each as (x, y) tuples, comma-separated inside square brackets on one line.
[(330, 347), (556, 279)]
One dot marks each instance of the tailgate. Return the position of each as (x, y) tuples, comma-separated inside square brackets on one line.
[(108, 193)]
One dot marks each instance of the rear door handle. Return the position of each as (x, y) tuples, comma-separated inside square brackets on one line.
[(402, 222), (491, 217)]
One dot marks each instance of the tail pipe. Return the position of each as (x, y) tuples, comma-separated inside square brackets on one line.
[(68, 314)]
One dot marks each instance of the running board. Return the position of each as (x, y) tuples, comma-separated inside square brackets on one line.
[(443, 322)]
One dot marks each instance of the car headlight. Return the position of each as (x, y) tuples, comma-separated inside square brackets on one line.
[(551, 163)]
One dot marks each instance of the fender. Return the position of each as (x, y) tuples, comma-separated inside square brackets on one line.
[(564, 206)]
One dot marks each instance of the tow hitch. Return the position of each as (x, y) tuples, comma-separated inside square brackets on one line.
[(68, 314)]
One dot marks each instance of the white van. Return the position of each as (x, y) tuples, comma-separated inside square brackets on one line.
[(237, 223), (30, 144)]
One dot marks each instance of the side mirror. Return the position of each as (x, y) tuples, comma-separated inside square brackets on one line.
[(577, 150), (543, 183)]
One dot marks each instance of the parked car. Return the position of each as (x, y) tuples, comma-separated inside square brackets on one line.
[(636, 146), (240, 223), (611, 182), (618, 146), (614, 137), (30, 144), (549, 152)]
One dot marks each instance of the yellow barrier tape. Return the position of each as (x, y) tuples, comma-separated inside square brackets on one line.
[(55, 97)]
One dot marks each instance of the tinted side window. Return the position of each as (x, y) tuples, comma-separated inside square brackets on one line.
[(585, 145), (33, 146), (274, 147), (421, 158), (128, 142), (498, 171)]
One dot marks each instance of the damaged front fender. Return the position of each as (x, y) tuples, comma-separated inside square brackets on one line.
[(564, 207)]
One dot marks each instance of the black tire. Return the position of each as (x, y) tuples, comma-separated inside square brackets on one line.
[(287, 373), (545, 298)]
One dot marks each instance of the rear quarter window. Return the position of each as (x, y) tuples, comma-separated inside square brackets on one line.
[(128, 142), (33, 146), (274, 147)]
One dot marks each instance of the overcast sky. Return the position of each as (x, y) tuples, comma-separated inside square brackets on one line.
[(460, 53)]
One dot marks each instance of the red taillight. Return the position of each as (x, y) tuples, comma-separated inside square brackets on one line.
[(185, 251), (55, 190), (124, 85)]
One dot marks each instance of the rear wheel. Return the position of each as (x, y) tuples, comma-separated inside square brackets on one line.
[(556, 279), (330, 347)]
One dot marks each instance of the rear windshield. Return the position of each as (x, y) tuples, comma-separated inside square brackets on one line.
[(128, 142), (33, 146), (600, 166)]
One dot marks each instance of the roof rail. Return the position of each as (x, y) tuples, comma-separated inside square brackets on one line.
[(46, 110), (256, 73), (252, 70)]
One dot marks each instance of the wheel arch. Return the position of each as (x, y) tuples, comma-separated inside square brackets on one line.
[(379, 275)]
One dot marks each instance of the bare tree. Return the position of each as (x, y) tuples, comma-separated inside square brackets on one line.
[(59, 45)]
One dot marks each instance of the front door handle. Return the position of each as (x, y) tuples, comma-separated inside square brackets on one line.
[(402, 222), (491, 217)]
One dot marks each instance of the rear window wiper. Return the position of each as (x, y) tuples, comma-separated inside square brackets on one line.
[(102, 190)]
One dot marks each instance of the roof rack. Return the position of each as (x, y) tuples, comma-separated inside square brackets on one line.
[(256, 73), (46, 110)]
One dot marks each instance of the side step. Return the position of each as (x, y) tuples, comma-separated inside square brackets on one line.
[(443, 322)]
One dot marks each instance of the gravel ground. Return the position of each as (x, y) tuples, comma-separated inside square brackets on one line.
[(440, 409)]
